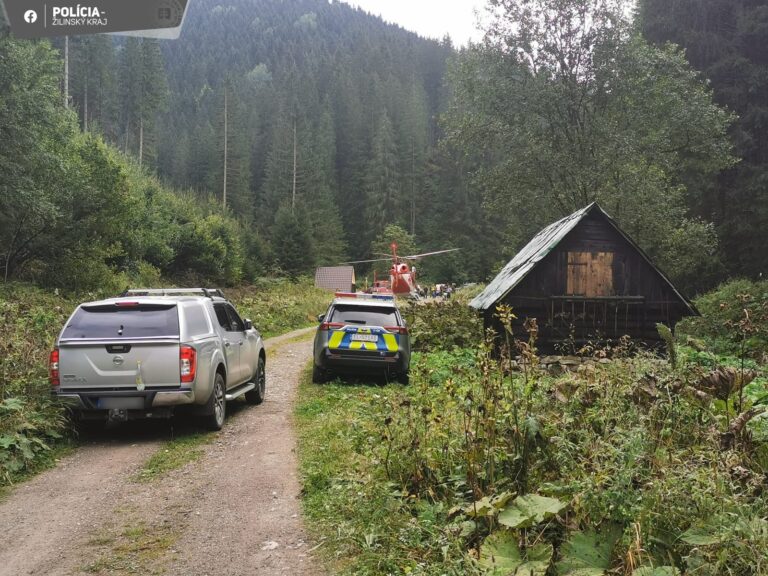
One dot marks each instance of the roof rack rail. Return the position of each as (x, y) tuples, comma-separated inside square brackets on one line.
[(208, 292)]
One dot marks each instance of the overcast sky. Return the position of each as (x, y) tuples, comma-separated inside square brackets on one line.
[(430, 18)]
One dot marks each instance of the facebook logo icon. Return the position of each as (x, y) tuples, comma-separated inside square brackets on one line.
[(30, 16)]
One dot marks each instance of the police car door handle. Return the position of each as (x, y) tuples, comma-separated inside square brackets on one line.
[(227, 343)]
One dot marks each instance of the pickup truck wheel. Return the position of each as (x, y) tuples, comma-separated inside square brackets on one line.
[(256, 396), (217, 405), (318, 375)]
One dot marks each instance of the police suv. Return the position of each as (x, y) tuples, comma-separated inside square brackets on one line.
[(362, 334)]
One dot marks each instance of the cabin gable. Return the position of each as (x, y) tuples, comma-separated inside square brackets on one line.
[(593, 285)]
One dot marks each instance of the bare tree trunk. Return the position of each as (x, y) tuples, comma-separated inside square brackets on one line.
[(66, 71), (226, 145), (413, 187), (85, 106), (141, 140), (293, 193)]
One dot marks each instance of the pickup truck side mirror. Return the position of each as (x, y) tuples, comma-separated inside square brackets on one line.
[(320, 317), (248, 324)]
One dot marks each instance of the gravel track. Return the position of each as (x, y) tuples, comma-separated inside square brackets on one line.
[(235, 511)]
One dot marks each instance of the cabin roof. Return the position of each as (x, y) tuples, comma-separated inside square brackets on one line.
[(540, 246), (335, 277)]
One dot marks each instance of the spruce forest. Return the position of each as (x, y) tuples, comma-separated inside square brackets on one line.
[(318, 126)]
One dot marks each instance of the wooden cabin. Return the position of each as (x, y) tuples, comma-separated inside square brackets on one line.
[(584, 280)]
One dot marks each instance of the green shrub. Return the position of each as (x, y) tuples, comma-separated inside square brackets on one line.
[(442, 325), (732, 316), (279, 305), (30, 319)]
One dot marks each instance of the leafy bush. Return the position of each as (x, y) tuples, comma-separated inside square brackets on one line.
[(278, 305), (734, 317), (442, 325), (30, 318)]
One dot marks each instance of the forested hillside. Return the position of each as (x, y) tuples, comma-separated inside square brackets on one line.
[(310, 127), (319, 122), (727, 40), (360, 97)]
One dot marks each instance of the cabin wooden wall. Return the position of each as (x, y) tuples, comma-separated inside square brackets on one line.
[(594, 286)]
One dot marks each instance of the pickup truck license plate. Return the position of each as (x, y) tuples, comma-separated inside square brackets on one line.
[(365, 338)]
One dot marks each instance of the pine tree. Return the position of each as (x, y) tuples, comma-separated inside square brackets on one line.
[(382, 183), (292, 241)]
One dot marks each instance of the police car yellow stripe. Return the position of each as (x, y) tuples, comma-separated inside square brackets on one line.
[(335, 341), (391, 342)]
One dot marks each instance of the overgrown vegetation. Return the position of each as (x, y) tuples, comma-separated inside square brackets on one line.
[(733, 321), (277, 306), (482, 466), (31, 424)]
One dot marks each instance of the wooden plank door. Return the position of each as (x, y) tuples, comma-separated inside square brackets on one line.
[(590, 274)]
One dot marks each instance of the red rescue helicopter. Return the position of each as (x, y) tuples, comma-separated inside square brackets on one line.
[(402, 277)]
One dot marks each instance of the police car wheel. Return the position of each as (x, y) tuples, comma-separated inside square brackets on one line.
[(318, 375), (404, 378)]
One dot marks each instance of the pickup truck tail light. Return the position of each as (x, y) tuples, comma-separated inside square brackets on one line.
[(53, 367), (396, 329), (331, 325), (187, 364)]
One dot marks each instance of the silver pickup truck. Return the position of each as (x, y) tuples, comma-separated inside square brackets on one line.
[(151, 351)]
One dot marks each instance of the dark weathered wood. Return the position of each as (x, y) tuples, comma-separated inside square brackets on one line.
[(593, 286)]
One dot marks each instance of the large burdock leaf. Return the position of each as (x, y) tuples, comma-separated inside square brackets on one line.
[(588, 553), (487, 506), (704, 536), (529, 510), (500, 553), (501, 556)]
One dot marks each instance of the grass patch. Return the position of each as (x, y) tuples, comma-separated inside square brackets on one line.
[(174, 455), (133, 549)]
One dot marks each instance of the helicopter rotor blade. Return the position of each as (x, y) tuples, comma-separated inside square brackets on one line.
[(417, 256), (366, 261)]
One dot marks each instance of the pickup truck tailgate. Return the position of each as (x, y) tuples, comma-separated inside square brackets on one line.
[(122, 365)]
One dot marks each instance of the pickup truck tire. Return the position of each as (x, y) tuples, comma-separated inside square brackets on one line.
[(216, 409), (256, 396)]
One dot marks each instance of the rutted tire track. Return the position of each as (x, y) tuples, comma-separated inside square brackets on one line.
[(234, 512)]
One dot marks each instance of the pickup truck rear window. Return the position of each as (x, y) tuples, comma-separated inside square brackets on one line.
[(364, 315), (116, 322)]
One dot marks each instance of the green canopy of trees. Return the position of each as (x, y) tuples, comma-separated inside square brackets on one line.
[(727, 40), (568, 105)]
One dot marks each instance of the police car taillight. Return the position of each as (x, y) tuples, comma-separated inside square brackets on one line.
[(331, 325), (396, 329)]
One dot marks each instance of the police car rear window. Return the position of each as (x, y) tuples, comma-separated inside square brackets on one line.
[(364, 315)]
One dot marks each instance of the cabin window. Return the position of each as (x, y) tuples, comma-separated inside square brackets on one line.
[(590, 274)]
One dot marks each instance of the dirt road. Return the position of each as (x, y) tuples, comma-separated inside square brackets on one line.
[(235, 511)]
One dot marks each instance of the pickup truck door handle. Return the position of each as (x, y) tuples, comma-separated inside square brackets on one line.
[(241, 342), (227, 343)]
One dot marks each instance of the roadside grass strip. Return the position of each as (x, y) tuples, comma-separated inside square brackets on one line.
[(364, 524), (174, 455)]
